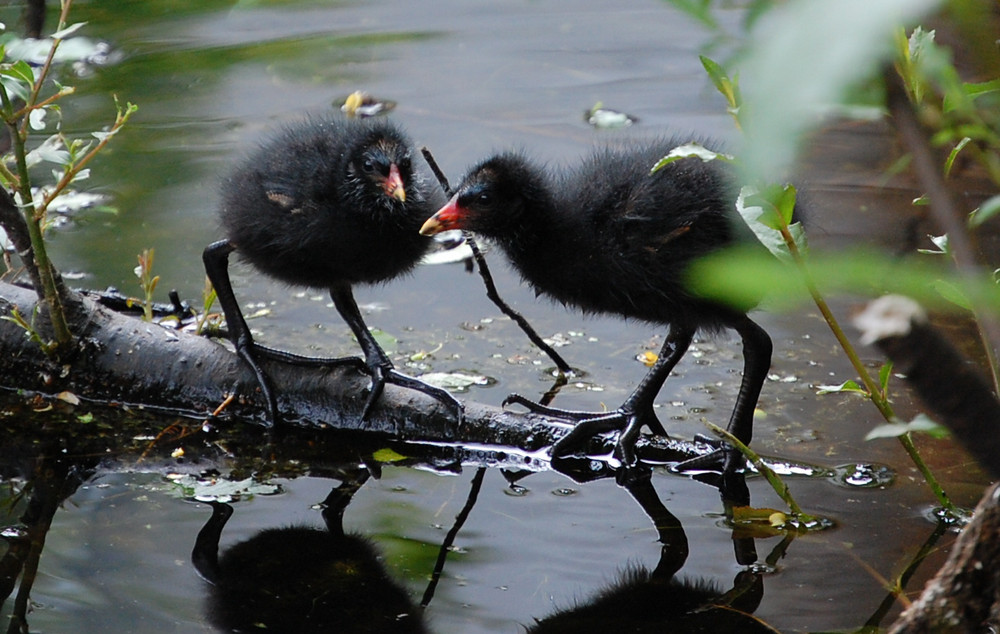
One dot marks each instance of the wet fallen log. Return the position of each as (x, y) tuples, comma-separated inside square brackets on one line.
[(121, 360)]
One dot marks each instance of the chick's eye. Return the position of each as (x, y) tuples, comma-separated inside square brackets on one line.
[(368, 166), (485, 199)]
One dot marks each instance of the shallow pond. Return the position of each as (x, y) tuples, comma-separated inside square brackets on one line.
[(469, 78)]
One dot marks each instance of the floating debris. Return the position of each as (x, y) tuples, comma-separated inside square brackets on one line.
[(83, 53), (607, 119), (456, 381), (361, 104), (449, 247)]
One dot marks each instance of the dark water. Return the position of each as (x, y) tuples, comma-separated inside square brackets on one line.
[(469, 78)]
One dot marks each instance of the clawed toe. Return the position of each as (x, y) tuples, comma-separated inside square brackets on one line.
[(724, 459), (382, 375), (538, 408)]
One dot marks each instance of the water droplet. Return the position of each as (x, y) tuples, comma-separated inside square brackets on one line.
[(14, 532), (864, 475), (564, 492)]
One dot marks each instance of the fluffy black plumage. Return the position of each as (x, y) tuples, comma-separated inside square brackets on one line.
[(315, 206), (326, 203), (608, 236)]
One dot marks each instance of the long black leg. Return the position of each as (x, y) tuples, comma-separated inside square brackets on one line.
[(378, 362), (216, 259), (757, 349), (637, 410)]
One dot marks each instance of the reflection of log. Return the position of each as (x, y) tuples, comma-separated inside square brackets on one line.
[(964, 596), (123, 360)]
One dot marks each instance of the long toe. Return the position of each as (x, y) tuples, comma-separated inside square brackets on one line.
[(715, 460), (398, 378), (538, 408), (578, 437)]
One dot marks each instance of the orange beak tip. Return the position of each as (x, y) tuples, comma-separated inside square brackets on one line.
[(394, 184), (431, 227)]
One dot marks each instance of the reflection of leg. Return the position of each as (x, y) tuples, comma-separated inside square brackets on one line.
[(379, 365), (674, 552), (637, 410), (338, 499), (449, 539), (205, 555)]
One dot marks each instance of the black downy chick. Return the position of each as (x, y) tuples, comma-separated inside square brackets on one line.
[(611, 237), (327, 203)]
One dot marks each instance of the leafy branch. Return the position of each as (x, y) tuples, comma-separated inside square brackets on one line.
[(22, 108)]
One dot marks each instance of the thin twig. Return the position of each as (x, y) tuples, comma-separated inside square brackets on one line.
[(491, 289), (470, 502)]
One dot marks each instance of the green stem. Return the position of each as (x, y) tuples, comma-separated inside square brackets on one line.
[(875, 394), (40, 257)]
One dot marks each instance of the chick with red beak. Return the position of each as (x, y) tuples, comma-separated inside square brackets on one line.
[(609, 236), (327, 203), (447, 218), (393, 184)]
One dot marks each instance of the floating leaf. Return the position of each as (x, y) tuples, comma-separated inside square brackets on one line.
[(847, 386), (388, 455), (68, 397), (606, 118), (458, 381)]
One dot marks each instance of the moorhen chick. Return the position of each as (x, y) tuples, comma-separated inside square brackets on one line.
[(326, 203), (611, 237)]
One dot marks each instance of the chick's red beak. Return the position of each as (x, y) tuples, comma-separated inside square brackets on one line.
[(451, 216), (394, 184)]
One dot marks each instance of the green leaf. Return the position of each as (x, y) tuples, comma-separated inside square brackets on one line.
[(765, 211), (699, 10), (952, 293), (19, 70), (884, 374), (387, 455), (386, 341), (941, 242), (921, 423), (989, 209), (721, 80), (849, 386), (69, 30), (691, 150), (950, 161), (970, 91)]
